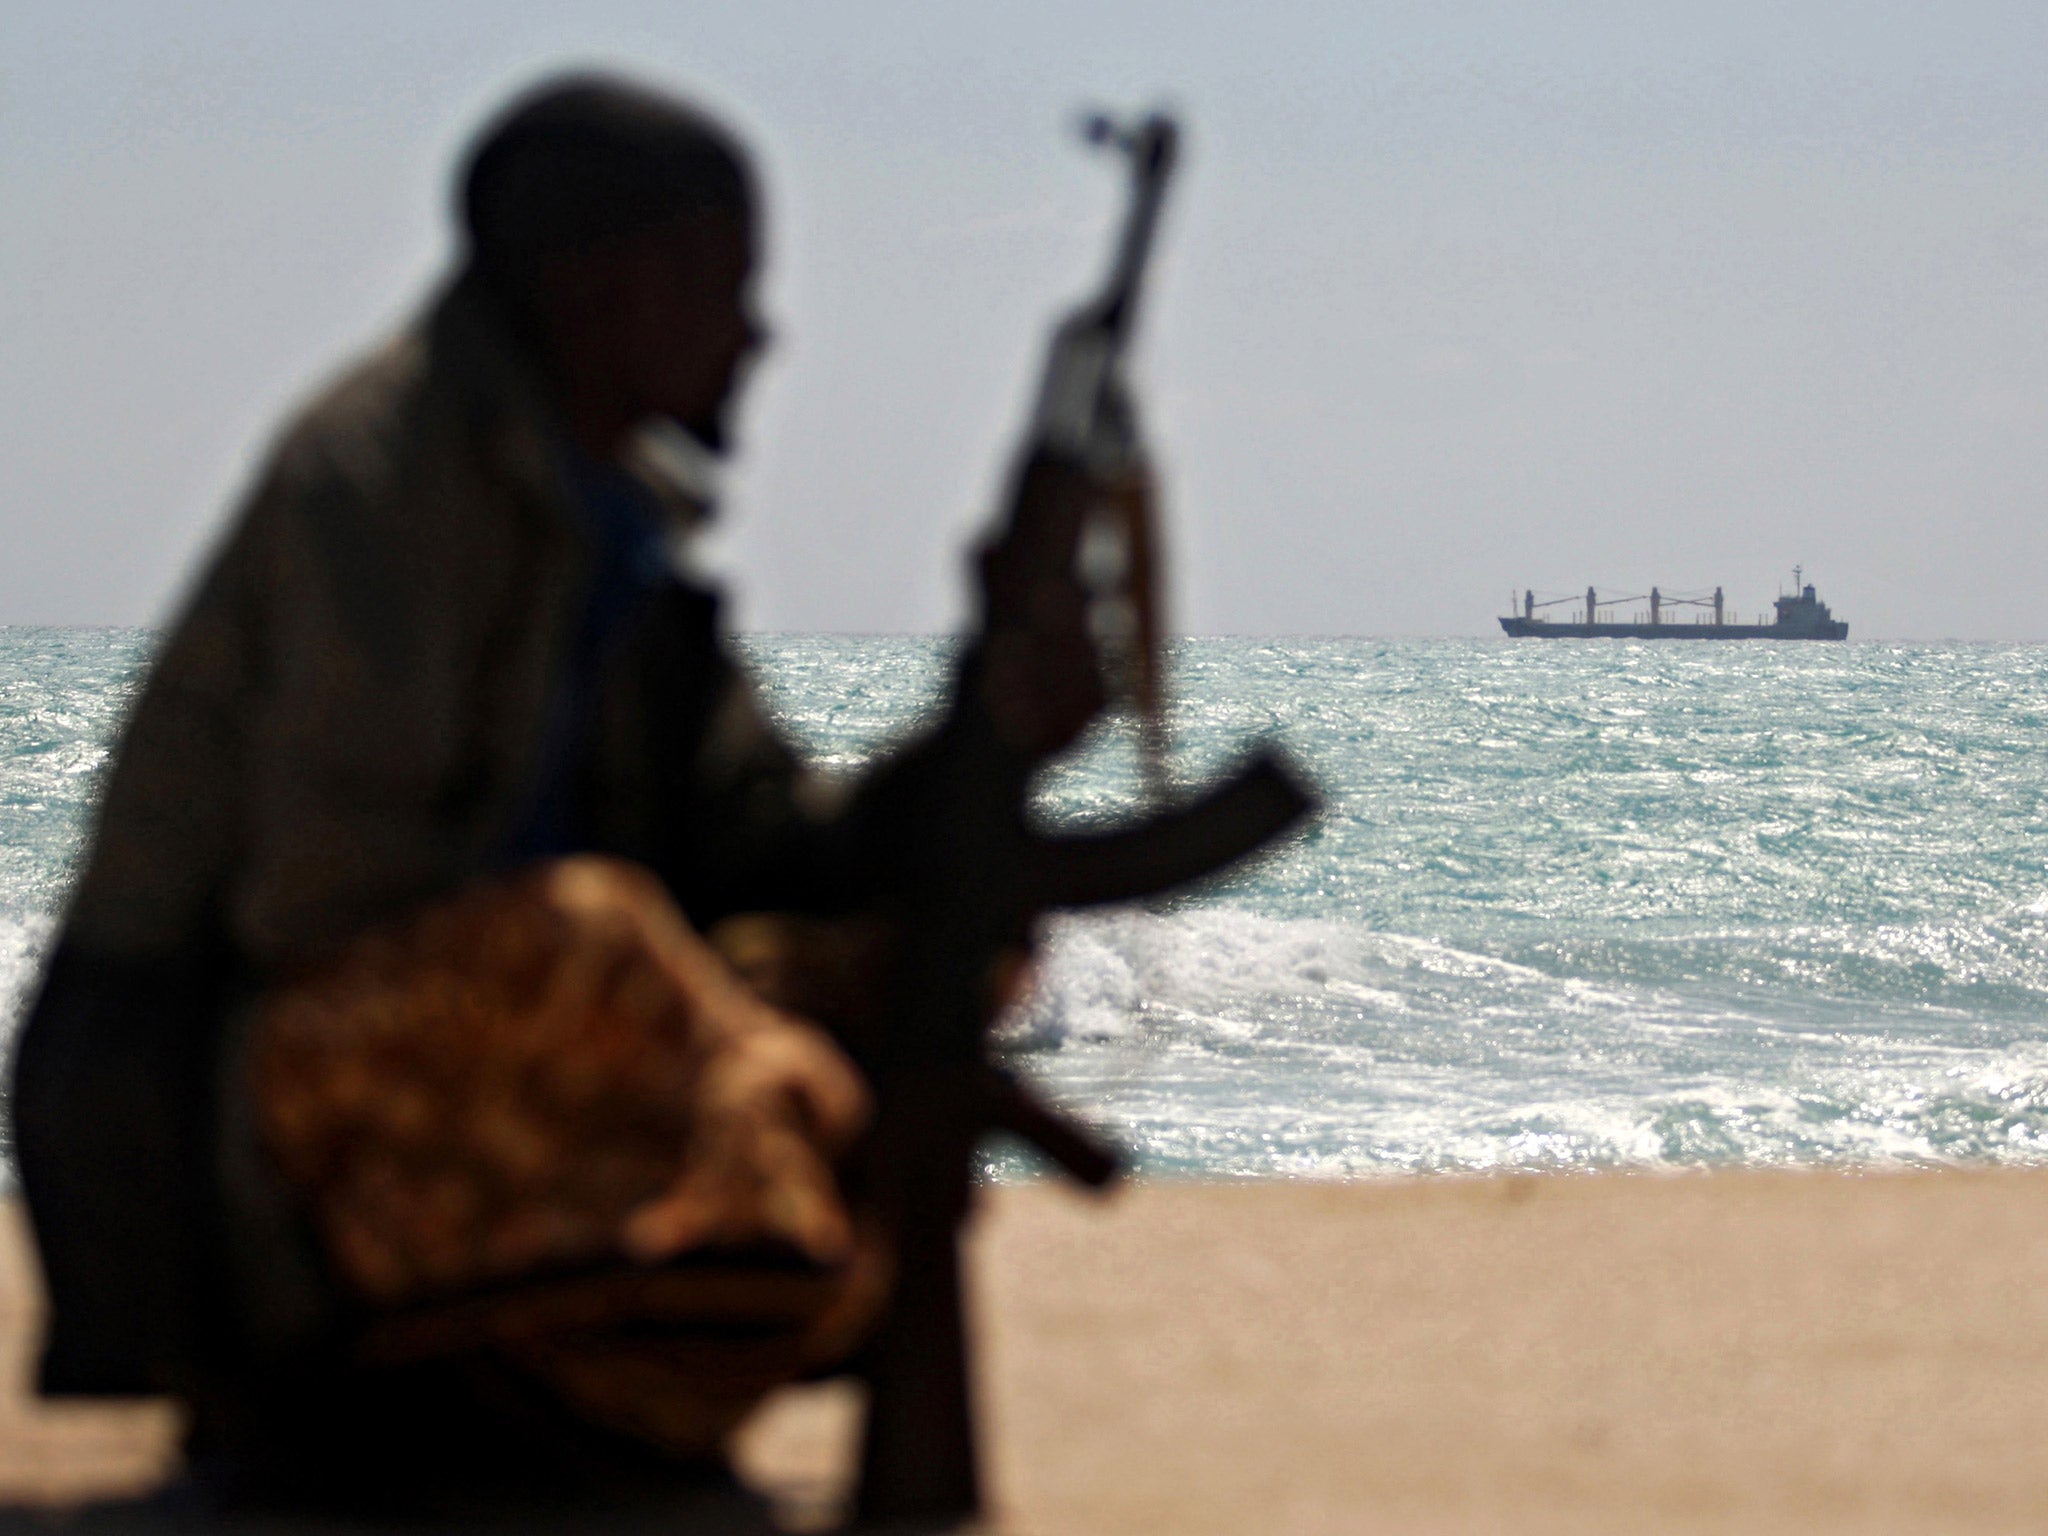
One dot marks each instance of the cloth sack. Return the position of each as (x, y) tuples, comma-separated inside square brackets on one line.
[(543, 1119)]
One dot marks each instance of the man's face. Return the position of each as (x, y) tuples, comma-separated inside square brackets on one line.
[(688, 323)]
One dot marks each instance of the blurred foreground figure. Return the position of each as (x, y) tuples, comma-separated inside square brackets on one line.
[(384, 1100), (346, 1018)]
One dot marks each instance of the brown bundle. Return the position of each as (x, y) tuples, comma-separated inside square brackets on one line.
[(543, 1117)]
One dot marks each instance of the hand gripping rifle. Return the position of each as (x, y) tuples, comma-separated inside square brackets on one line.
[(968, 887)]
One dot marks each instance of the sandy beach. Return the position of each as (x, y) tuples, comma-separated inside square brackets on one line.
[(1735, 1352)]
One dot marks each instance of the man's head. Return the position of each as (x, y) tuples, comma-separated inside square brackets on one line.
[(621, 225)]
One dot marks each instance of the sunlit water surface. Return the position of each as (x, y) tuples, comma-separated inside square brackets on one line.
[(1572, 903)]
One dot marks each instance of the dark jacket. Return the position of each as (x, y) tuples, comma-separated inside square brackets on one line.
[(346, 722)]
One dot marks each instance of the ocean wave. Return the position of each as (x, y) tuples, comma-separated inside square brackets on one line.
[(1228, 1041)]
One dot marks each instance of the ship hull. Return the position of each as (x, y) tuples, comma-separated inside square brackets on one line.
[(1545, 629)]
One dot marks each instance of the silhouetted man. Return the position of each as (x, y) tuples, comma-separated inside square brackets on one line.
[(441, 735)]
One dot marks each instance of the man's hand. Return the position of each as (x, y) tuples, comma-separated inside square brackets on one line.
[(1041, 675)]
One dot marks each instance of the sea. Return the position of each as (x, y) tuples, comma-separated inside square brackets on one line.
[(1569, 904)]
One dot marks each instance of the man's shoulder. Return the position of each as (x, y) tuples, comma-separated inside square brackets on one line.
[(436, 423), (355, 425)]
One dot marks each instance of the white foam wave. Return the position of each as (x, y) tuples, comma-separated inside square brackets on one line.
[(23, 943), (1230, 1041), (1103, 975)]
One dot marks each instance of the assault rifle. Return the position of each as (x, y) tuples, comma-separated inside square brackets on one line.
[(966, 891)]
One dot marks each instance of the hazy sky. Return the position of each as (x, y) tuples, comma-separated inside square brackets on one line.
[(1456, 298)]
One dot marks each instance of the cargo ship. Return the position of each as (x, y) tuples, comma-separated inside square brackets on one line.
[(1801, 616)]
